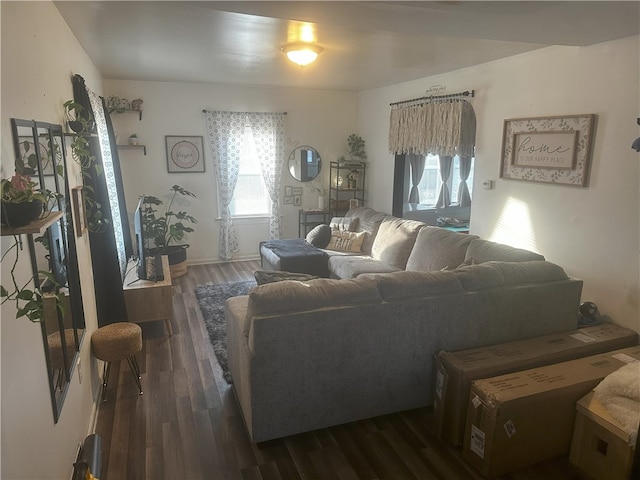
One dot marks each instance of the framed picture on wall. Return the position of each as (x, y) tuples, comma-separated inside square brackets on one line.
[(554, 149), (185, 154)]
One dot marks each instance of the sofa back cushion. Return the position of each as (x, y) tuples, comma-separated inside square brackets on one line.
[(292, 296), (394, 241), (369, 221), (437, 248), (405, 285), (344, 224), (496, 274), (480, 251)]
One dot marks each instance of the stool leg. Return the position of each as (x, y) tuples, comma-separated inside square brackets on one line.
[(105, 380), (135, 371)]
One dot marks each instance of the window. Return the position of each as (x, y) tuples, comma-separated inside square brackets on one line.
[(429, 186), (250, 197)]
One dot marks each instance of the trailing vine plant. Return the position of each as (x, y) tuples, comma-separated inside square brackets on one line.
[(81, 121), (29, 302)]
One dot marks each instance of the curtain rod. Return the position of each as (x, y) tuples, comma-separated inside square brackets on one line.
[(204, 110), (466, 93)]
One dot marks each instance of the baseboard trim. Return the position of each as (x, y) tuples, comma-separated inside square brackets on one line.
[(208, 261)]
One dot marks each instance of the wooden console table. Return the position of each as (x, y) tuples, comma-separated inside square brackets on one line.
[(147, 300)]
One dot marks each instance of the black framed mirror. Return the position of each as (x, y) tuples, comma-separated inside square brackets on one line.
[(39, 149), (304, 163)]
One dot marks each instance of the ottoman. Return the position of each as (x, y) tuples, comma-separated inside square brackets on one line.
[(294, 255)]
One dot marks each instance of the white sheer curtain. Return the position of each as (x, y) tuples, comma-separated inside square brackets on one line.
[(225, 135), (268, 135)]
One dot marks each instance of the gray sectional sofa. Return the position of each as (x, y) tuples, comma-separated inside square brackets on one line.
[(307, 355)]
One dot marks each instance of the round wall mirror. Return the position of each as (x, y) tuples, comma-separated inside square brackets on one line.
[(304, 163)]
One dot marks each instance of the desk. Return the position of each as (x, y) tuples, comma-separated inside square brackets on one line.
[(148, 301), (308, 219)]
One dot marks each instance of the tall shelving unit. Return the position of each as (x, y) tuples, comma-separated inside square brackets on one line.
[(346, 183)]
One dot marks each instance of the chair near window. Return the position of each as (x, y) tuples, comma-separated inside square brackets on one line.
[(114, 342)]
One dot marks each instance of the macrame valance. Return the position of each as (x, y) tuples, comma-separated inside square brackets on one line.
[(439, 128)]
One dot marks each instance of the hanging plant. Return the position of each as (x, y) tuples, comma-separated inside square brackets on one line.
[(29, 302), (81, 121)]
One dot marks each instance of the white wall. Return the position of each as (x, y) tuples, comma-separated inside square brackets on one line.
[(321, 119), (39, 54), (592, 232)]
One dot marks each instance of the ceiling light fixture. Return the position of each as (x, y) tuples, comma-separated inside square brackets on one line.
[(302, 53)]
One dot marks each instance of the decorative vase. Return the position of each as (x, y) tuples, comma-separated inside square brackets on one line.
[(21, 214)]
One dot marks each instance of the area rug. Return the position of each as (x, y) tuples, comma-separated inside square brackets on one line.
[(211, 300)]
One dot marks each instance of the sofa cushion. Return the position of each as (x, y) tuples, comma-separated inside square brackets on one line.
[(345, 224), (536, 271), (290, 295), (344, 241), (437, 248), (484, 251), (404, 285), (319, 236), (350, 266), (495, 274), (369, 221), (480, 276), (394, 241)]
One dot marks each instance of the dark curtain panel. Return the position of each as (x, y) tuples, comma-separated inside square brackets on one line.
[(104, 256)]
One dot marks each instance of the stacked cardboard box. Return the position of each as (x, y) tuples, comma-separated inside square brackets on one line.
[(523, 418), (600, 445), (456, 370)]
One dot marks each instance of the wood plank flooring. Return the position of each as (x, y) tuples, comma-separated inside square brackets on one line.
[(187, 425)]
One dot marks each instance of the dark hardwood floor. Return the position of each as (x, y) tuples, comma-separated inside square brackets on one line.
[(187, 424)]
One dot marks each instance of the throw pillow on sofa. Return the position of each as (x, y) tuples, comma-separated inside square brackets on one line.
[(319, 236), (344, 224), (346, 241)]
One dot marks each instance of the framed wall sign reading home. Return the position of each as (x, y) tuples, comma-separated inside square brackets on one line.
[(184, 154), (548, 149)]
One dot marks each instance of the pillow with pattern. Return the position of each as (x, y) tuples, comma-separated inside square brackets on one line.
[(346, 241), (344, 224)]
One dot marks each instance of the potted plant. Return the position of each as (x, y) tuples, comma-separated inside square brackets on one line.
[(79, 119), (22, 201), (133, 139), (165, 229)]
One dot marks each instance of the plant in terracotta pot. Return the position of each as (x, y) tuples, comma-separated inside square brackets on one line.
[(165, 228), (22, 200)]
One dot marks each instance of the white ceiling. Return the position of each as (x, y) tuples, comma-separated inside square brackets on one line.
[(366, 44)]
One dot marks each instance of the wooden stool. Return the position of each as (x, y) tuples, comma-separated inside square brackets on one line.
[(114, 342)]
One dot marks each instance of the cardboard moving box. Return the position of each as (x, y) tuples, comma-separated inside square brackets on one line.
[(523, 418), (456, 370), (600, 445)]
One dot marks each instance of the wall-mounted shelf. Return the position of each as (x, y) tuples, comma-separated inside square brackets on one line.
[(129, 111), (37, 226), (133, 147)]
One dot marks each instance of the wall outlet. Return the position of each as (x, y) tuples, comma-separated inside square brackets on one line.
[(488, 184), (79, 364)]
